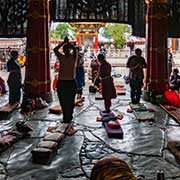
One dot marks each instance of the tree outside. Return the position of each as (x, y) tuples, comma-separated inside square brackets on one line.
[(117, 32), (62, 30)]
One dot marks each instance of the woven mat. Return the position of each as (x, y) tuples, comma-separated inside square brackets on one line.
[(120, 90), (138, 107), (7, 108), (141, 112), (172, 111), (144, 115), (174, 148)]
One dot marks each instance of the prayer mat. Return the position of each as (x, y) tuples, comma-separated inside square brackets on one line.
[(172, 111), (144, 115), (113, 129), (108, 116), (42, 155), (49, 145), (138, 107), (7, 108), (44, 152), (120, 90), (56, 109), (54, 136), (9, 139), (174, 148), (79, 102), (98, 96), (66, 129), (111, 124), (141, 112)]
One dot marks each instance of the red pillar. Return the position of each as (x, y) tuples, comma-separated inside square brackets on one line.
[(78, 39), (157, 76), (96, 45), (37, 76)]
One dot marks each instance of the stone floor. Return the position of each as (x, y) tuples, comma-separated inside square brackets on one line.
[(143, 146)]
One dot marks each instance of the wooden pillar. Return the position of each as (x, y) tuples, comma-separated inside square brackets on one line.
[(157, 76), (37, 76), (174, 44), (96, 44), (78, 39)]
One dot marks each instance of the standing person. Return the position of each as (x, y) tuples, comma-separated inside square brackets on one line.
[(80, 74), (2, 86), (95, 66), (14, 78), (170, 62), (175, 80), (66, 84), (108, 89), (136, 63)]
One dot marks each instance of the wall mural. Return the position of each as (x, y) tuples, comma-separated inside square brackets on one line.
[(13, 14), (174, 18), (13, 18), (91, 10)]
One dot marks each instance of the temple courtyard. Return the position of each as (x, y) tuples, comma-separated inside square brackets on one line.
[(143, 146)]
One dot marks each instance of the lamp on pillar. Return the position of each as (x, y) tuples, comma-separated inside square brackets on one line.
[(156, 37), (37, 77)]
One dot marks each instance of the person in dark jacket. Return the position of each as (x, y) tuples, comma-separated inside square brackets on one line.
[(80, 74), (14, 78), (175, 80), (136, 63)]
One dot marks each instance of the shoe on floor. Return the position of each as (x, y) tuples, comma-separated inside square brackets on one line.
[(106, 111), (71, 131)]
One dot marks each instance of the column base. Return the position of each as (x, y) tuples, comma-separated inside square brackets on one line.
[(146, 95), (45, 96), (153, 97)]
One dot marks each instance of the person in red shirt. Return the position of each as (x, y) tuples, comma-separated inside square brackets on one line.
[(108, 89), (95, 66)]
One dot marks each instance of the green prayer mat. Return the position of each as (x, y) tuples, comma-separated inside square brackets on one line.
[(138, 107), (141, 112), (144, 115)]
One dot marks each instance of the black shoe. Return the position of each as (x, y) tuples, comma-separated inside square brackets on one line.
[(106, 111), (66, 122)]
